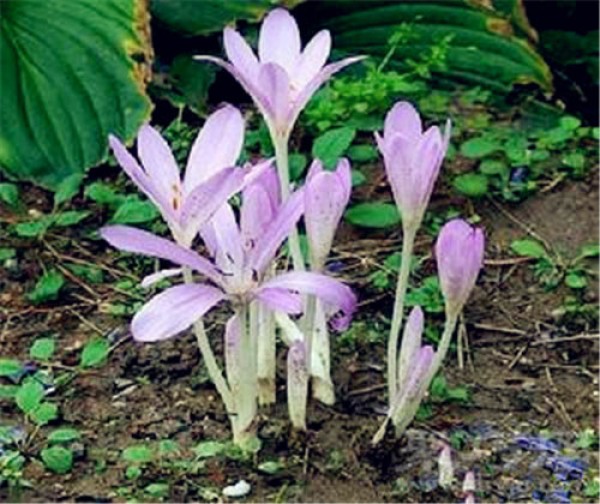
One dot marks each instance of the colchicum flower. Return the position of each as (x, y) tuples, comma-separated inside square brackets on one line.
[(283, 78), (459, 252), (210, 176), (237, 273), (412, 159)]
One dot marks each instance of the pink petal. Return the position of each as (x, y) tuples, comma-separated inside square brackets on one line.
[(305, 94), (160, 165), (403, 118), (326, 196), (256, 214), (260, 98), (173, 311), (279, 40), (226, 241), (154, 278), (130, 239), (312, 59), (140, 178), (240, 54), (315, 168), (278, 299), (411, 343), (275, 84), (218, 146), (459, 252), (208, 197), (332, 292), (266, 246)]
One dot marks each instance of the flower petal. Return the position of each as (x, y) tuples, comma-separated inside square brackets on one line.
[(275, 83), (403, 118), (160, 165), (305, 94), (266, 246), (326, 196), (130, 239), (260, 98), (332, 292), (173, 311), (140, 178), (225, 241), (312, 59), (217, 146), (278, 299), (411, 343), (240, 54), (279, 40), (150, 280), (208, 197)]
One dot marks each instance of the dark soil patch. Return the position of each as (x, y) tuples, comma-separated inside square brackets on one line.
[(520, 380)]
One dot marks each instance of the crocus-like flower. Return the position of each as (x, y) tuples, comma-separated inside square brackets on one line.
[(210, 176), (445, 467), (236, 275), (326, 195), (412, 159), (459, 251), (283, 78)]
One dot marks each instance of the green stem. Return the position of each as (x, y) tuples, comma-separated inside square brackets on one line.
[(392, 355), (209, 357), (282, 160)]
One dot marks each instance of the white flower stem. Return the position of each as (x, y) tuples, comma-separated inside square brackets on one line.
[(282, 160), (264, 325), (214, 372), (401, 286), (245, 399)]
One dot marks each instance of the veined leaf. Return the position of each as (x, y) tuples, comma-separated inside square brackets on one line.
[(71, 74)]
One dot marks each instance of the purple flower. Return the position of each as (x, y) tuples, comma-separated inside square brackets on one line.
[(283, 78), (210, 175), (237, 272), (411, 345), (412, 159), (326, 195), (459, 251)]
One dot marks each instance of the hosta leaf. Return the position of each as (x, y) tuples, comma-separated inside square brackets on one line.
[(483, 48), (71, 74), (206, 16)]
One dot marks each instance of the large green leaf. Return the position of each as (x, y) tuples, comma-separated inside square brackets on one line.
[(73, 71), (201, 17), (487, 47)]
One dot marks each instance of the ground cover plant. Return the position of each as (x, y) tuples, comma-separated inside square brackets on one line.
[(337, 276)]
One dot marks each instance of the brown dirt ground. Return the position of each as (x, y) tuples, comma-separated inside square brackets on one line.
[(519, 380)]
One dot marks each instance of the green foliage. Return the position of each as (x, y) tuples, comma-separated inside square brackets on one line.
[(47, 287), (138, 454), (57, 459), (95, 352), (126, 208), (29, 396), (59, 99), (64, 435), (428, 295), (440, 391), (67, 189), (42, 349), (39, 226), (332, 145), (481, 49), (373, 215), (9, 367), (528, 248), (9, 194), (587, 439), (474, 185), (208, 16)]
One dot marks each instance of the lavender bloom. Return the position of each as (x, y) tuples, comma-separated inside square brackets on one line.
[(210, 176), (459, 251), (325, 198), (237, 274), (412, 159), (283, 78)]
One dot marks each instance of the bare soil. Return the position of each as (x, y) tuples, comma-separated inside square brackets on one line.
[(528, 371)]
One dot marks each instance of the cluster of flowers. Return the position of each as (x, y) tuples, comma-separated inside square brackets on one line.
[(243, 242)]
